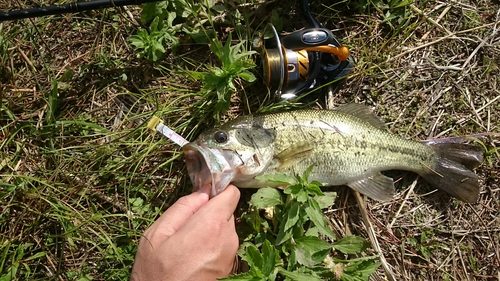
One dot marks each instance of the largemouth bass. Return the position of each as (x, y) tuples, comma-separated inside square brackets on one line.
[(348, 146)]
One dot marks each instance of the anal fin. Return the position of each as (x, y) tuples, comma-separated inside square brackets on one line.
[(377, 186)]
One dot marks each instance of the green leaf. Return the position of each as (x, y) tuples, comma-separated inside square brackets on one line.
[(292, 261), (307, 173), (399, 4), (311, 250), (170, 18), (254, 257), (292, 216), (312, 231), (53, 103), (276, 20), (357, 260), (11, 272), (368, 270), (327, 200), (139, 40), (293, 189), (253, 218), (36, 256), (266, 197), (201, 37), (423, 238), (247, 76), (424, 251), (297, 276), (283, 235), (242, 277), (302, 196), (351, 245), (153, 27), (314, 189), (86, 277), (317, 217), (270, 256), (277, 178), (359, 271), (158, 46), (155, 9)]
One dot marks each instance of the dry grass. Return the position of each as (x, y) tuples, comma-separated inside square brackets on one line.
[(81, 182)]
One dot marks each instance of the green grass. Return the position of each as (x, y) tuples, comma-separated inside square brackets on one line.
[(81, 178)]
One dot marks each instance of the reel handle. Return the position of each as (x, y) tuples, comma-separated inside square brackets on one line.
[(342, 53)]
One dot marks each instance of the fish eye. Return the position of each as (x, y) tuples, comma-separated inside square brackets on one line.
[(220, 137)]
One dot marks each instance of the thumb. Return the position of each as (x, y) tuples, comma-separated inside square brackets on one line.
[(177, 215), (225, 203)]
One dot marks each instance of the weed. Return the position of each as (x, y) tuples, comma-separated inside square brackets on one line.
[(167, 19), (152, 42), (221, 80), (395, 13), (285, 238)]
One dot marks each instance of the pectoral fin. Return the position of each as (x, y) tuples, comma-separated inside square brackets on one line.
[(378, 187), (294, 154)]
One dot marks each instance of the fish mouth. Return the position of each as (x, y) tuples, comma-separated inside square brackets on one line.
[(208, 166)]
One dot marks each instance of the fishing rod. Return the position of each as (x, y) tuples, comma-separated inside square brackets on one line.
[(74, 7)]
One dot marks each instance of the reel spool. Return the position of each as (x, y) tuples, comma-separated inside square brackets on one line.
[(301, 61)]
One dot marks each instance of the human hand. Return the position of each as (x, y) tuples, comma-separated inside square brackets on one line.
[(195, 239)]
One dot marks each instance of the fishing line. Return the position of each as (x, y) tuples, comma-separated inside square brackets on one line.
[(272, 67)]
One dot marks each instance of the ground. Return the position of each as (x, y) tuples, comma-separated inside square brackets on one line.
[(81, 177)]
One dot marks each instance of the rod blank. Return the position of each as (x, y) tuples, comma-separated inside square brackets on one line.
[(68, 8)]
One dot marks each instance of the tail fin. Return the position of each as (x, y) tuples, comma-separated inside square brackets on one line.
[(453, 170)]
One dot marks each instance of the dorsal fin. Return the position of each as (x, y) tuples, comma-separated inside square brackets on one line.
[(364, 113)]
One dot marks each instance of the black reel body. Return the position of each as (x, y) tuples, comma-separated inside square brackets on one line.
[(302, 60)]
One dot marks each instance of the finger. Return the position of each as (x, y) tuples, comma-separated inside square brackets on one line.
[(177, 215), (225, 203)]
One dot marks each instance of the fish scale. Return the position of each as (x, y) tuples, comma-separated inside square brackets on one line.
[(346, 148)]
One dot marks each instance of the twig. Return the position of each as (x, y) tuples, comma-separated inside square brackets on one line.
[(452, 67), (492, 35), (488, 103), (408, 194), (417, 10), (435, 42), (133, 20), (373, 237), (495, 27), (437, 20), (495, 247), (25, 57), (63, 68)]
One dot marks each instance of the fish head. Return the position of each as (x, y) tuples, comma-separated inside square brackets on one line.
[(238, 150)]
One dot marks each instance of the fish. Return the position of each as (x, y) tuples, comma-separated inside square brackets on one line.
[(348, 145)]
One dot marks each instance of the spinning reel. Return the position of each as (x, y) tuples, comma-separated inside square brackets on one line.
[(303, 60)]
